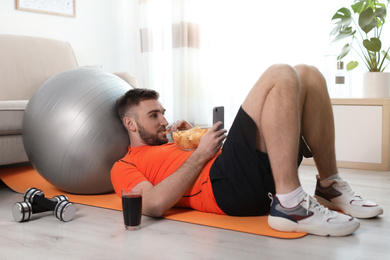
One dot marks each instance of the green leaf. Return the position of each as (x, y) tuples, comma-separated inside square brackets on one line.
[(344, 34), (380, 13), (351, 65), (367, 20), (386, 55), (340, 28), (358, 7), (344, 51), (336, 30), (374, 44), (344, 22), (342, 13)]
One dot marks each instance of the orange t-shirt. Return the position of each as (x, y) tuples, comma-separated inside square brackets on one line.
[(154, 164)]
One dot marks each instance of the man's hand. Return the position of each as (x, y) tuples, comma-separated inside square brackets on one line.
[(164, 195), (211, 141), (180, 125)]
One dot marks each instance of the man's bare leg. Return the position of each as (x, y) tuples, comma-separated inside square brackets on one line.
[(273, 103), (318, 131), (317, 119)]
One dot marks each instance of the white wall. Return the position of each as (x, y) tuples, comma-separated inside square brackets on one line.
[(99, 34), (104, 33), (252, 35)]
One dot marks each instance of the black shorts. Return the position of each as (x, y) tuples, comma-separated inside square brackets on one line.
[(241, 176)]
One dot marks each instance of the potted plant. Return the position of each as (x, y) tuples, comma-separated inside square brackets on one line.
[(362, 25)]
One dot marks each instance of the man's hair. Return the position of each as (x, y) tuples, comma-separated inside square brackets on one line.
[(132, 98)]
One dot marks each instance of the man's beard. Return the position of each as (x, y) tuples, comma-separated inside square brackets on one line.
[(150, 138)]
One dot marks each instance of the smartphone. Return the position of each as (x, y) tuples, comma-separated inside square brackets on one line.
[(219, 115)]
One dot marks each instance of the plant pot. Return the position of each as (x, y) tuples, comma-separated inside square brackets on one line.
[(376, 84)]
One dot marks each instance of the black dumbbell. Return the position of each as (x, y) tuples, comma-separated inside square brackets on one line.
[(35, 202)]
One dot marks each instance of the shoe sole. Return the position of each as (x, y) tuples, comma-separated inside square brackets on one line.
[(347, 211), (285, 225)]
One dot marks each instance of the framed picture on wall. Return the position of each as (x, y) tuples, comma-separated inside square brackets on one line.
[(56, 7)]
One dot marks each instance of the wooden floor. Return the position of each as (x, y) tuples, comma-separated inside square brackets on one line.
[(97, 233)]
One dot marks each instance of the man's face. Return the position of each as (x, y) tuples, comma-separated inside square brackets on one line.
[(151, 123)]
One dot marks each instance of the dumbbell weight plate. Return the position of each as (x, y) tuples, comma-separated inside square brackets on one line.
[(59, 198), (22, 211), (30, 193), (65, 210)]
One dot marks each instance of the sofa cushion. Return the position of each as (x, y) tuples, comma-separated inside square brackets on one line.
[(27, 62), (11, 116)]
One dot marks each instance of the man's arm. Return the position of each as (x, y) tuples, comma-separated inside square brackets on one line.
[(158, 199)]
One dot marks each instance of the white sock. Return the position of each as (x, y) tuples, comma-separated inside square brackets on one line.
[(333, 177), (328, 181), (291, 199)]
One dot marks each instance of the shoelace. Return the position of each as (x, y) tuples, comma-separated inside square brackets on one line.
[(347, 188), (312, 204)]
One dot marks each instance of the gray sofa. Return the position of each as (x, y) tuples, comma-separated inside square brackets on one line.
[(25, 63)]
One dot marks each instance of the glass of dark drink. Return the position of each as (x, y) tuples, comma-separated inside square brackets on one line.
[(132, 208)]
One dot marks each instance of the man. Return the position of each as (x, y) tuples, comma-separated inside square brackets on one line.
[(258, 158)]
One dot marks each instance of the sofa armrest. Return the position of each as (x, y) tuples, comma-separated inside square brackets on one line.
[(128, 78), (11, 116)]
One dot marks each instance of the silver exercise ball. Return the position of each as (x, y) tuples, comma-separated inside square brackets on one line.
[(72, 133)]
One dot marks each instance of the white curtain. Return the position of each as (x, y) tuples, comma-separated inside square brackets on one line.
[(173, 48), (204, 53)]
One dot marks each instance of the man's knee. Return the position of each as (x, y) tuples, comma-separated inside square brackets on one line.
[(310, 77), (277, 78), (308, 72), (284, 76), (281, 70)]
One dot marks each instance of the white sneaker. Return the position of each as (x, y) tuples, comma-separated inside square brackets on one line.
[(309, 216), (340, 196)]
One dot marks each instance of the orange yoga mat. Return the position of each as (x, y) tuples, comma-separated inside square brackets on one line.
[(21, 178)]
